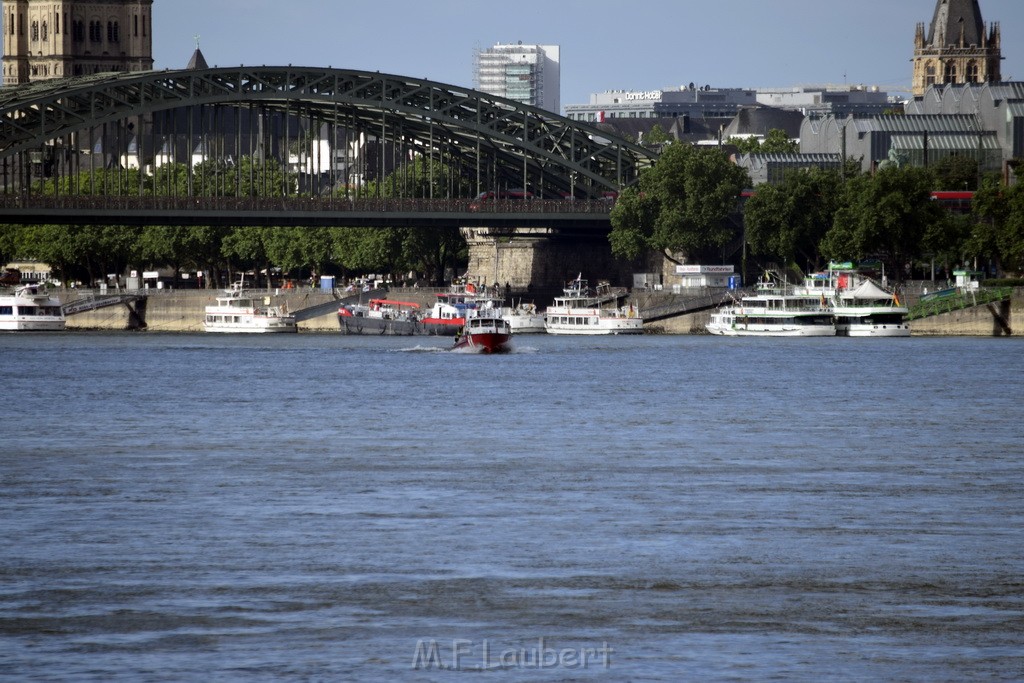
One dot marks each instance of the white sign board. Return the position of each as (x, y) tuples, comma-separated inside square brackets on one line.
[(703, 270)]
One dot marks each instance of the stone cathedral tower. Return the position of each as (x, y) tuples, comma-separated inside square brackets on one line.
[(957, 48), (60, 38)]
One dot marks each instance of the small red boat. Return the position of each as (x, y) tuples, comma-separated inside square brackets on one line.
[(484, 333)]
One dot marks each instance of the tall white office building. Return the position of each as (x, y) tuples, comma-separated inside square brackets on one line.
[(530, 74)]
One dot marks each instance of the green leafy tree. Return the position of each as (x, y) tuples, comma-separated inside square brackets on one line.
[(169, 180), (681, 204), (433, 250), (8, 242), (999, 225), (101, 181), (369, 250), (789, 220), (750, 145), (1011, 241), (85, 252), (778, 142), (184, 247), (656, 137), (246, 247), (887, 214), (946, 239), (399, 249), (256, 178), (955, 172)]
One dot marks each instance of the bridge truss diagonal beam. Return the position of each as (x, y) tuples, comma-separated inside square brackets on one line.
[(512, 141)]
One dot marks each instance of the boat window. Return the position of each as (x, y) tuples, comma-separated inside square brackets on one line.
[(6, 310)]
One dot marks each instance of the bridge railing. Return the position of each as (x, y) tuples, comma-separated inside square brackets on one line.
[(304, 204)]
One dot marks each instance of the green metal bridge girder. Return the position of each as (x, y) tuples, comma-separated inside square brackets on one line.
[(514, 142)]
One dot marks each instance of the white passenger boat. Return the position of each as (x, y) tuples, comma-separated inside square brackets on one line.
[(774, 310), (31, 308), (524, 318), (239, 311), (859, 306), (581, 310), (463, 299)]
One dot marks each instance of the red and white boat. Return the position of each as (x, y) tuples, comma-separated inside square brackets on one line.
[(466, 299), (486, 332), (451, 309)]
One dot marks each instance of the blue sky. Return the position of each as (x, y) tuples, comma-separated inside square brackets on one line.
[(642, 45)]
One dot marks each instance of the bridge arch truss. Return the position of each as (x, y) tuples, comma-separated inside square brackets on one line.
[(494, 143)]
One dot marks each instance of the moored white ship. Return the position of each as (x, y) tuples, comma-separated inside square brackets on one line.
[(239, 311), (774, 311), (524, 318), (31, 308), (583, 311), (859, 306)]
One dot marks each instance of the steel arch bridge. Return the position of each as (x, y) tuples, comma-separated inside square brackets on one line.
[(495, 143)]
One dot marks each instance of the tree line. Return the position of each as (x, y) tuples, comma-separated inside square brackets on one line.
[(686, 207), (88, 254)]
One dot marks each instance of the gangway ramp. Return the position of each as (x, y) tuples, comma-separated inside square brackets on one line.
[(93, 301), (332, 306), (682, 304)]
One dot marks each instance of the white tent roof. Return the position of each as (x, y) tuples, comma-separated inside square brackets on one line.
[(867, 290)]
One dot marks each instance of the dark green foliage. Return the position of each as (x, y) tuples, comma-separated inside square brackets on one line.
[(682, 204), (955, 173), (788, 221), (886, 215)]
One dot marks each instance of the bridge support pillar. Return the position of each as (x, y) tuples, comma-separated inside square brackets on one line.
[(541, 258), (1000, 311)]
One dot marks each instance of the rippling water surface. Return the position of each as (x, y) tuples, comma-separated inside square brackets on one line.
[(319, 507)]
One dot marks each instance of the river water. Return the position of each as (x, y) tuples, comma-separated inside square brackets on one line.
[(660, 508)]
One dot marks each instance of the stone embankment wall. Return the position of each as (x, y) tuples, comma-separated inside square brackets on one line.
[(183, 311), (972, 322), (977, 321)]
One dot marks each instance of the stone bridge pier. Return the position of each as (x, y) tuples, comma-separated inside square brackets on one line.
[(541, 258)]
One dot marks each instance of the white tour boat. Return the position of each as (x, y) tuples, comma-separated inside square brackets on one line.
[(31, 308), (859, 306), (239, 311), (774, 311), (524, 318), (581, 310)]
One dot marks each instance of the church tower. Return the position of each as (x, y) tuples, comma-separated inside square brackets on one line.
[(46, 39), (957, 48)]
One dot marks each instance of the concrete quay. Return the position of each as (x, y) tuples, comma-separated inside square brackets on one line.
[(183, 311)]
